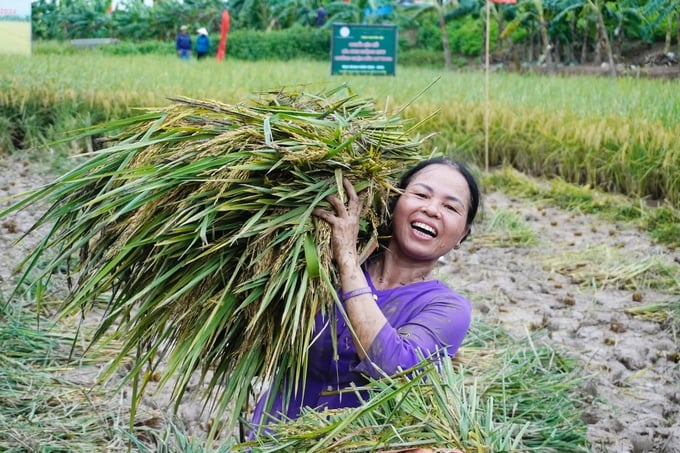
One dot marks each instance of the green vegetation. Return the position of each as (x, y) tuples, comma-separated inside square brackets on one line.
[(662, 223), (605, 267), (504, 229), (483, 403), (584, 136), (564, 31), (159, 216), (486, 392), (619, 136), (44, 409), (666, 313)]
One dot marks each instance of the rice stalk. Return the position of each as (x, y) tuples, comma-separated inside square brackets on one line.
[(506, 229), (195, 223), (40, 408), (510, 396), (607, 267), (666, 313)]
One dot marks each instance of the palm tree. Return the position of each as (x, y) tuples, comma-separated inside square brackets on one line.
[(664, 13), (439, 9), (534, 11), (592, 9)]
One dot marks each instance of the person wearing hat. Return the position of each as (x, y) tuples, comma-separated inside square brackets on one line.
[(183, 43), (202, 43)]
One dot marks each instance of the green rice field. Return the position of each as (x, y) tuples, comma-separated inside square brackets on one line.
[(620, 135)]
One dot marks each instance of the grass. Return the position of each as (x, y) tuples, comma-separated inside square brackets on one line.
[(603, 267), (152, 78), (667, 313), (41, 407), (505, 229), (661, 222), (480, 401), (617, 135), (134, 81)]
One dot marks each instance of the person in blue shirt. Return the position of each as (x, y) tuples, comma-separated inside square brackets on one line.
[(183, 43), (321, 16), (202, 43)]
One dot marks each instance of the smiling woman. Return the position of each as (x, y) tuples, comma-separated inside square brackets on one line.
[(393, 313)]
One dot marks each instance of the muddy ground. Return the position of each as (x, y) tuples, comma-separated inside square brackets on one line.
[(556, 286)]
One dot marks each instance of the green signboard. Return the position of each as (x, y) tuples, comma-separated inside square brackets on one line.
[(363, 49)]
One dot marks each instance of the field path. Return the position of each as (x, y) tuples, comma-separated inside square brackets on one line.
[(564, 287)]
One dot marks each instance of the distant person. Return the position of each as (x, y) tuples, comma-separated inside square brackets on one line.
[(202, 43), (321, 16), (183, 43)]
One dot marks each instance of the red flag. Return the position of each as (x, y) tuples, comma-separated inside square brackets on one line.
[(224, 30), (504, 1)]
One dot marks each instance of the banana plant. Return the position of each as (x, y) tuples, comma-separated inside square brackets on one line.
[(595, 9), (534, 11), (663, 14), (438, 9)]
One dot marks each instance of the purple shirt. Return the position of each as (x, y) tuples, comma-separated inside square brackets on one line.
[(423, 317)]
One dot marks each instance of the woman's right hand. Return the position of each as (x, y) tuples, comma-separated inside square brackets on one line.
[(344, 222)]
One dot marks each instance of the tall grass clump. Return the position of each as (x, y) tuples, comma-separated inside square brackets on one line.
[(41, 409), (499, 394), (662, 222), (195, 223)]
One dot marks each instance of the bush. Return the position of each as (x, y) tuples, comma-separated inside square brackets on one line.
[(139, 48), (421, 57), (292, 43), (429, 37), (466, 36), (53, 47)]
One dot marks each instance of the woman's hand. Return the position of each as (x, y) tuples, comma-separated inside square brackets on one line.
[(363, 312), (344, 224)]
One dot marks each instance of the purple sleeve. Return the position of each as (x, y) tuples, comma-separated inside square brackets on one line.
[(441, 324)]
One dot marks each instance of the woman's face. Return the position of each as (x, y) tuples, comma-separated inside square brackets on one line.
[(430, 217)]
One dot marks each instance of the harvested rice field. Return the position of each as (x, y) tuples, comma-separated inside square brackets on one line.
[(597, 292)]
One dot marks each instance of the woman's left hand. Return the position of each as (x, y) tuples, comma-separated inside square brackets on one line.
[(344, 224)]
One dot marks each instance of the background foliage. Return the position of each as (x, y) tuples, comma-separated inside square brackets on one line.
[(282, 29)]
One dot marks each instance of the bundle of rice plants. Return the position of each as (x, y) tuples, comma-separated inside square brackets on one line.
[(194, 223), (500, 394)]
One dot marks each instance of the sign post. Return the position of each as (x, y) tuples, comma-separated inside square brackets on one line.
[(486, 76), (363, 49)]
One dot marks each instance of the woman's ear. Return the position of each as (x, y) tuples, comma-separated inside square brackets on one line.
[(468, 230)]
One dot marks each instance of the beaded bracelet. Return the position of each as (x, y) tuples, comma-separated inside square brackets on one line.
[(356, 292)]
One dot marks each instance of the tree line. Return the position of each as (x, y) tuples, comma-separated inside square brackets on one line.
[(547, 31)]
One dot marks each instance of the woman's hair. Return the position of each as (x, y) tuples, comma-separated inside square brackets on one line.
[(475, 194)]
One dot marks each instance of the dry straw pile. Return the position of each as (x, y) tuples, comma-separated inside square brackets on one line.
[(194, 226)]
